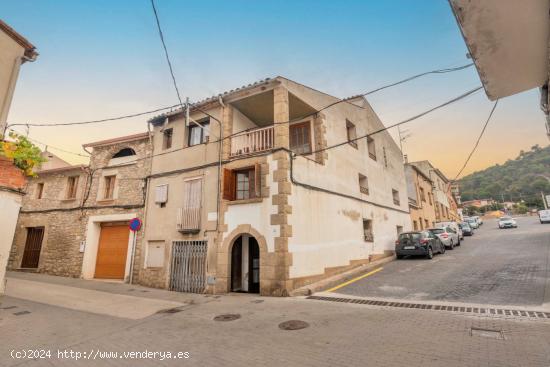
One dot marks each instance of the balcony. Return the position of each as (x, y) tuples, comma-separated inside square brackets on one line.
[(253, 141), (189, 220)]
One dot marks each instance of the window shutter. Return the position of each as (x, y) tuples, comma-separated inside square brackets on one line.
[(161, 194), (257, 180), (228, 184)]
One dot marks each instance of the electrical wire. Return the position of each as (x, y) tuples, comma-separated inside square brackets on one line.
[(478, 140), (456, 99)]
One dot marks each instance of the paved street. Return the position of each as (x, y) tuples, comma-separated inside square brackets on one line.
[(338, 334), (498, 267)]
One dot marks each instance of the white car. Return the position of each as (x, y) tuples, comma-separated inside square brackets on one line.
[(453, 225), (448, 236), (544, 216), (507, 222)]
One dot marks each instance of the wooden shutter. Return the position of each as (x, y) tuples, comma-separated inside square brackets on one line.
[(257, 180), (190, 215), (228, 184)]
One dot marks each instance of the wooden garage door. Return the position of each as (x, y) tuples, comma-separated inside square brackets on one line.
[(112, 252)]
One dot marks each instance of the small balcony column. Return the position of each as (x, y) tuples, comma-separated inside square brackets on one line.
[(281, 114)]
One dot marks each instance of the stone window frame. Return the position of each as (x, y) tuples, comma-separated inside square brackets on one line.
[(368, 230), (101, 187), (39, 190), (71, 191), (167, 138), (351, 133), (395, 195)]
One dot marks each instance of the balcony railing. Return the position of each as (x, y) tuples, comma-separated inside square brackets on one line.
[(253, 141), (189, 220)]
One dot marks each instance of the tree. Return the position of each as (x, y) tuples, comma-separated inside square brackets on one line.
[(25, 155)]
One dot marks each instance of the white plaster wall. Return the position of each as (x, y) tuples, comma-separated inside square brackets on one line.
[(93, 231), (327, 228), (241, 122), (10, 62), (10, 203), (258, 215)]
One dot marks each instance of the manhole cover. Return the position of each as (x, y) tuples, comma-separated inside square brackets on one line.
[(293, 325), (487, 333), (227, 317)]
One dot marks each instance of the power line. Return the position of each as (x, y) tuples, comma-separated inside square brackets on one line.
[(95, 121), (52, 146), (166, 52), (456, 99), (478, 139), (137, 114)]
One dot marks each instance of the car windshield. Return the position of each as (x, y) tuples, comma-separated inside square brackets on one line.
[(465, 225), (437, 230), (409, 236), (505, 218)]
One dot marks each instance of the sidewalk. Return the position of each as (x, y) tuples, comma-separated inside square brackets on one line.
[(338, 334)]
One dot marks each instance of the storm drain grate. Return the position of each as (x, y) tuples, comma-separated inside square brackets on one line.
[(487, 333), (423, 306)]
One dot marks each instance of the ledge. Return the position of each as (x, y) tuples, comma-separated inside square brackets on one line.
[(245, 201)]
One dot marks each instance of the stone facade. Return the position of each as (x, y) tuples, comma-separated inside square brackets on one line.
[(66, 220), (421, 198)]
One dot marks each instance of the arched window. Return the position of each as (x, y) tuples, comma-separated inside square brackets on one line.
[(126, 152)]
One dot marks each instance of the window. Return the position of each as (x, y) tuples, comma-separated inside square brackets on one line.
[(367, 230), (426, 223), (363, 184), (422, 194), (371, 147), (385, 156), (198, 135), (430, 198), (415, 225), (242, 184), (126, 152), (72, 186), (190, 215), (351, 133), (395, 195), (167, 138), (109, 188), (300, 138), (421, 225), (161, 195), (39, 190)]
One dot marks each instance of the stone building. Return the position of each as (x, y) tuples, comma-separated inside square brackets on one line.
[(421, 201), (242, 196), (74, 219), (444, 202)]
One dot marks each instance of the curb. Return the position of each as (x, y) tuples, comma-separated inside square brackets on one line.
[(339, 278)]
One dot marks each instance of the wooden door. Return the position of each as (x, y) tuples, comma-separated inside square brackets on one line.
[(33, 245), (112, 251)]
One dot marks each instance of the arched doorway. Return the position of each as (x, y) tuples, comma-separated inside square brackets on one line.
[(245, 265)]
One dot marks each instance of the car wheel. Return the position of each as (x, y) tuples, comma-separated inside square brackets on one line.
[(442, 247), (452, 245), (398, 257), (430, 254), (458, 244)]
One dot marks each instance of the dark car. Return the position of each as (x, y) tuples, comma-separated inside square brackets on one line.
[(466, 229), (418, 243)]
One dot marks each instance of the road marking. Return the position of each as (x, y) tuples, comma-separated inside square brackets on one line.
[(354, 280)]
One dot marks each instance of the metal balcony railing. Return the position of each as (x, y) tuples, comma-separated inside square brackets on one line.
[(253, 141), (189, 220)]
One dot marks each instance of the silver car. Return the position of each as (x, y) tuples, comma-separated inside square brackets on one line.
[(448, 236)]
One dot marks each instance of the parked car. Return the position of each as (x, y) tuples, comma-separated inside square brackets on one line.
[(472, 222), (453, 225), (507, 222), (422, 243), (478, 219), (544, 216), (466, 229), (448, 236)]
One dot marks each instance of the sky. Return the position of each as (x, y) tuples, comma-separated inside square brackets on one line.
[(101, 58)]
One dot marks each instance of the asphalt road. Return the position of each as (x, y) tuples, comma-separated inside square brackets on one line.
[(498, 267)]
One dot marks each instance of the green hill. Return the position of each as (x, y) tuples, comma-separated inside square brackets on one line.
[(515, 180)]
